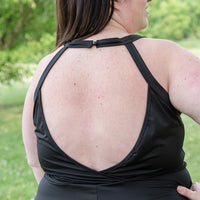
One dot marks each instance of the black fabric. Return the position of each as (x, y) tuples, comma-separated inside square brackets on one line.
[(153, 168)]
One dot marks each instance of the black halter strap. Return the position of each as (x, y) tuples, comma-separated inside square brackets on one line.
[(85, 44), (103, 43)]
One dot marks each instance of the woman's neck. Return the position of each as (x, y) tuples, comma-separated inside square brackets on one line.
[(113, 29)]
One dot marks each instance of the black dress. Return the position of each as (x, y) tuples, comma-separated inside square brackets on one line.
[(151, 171)]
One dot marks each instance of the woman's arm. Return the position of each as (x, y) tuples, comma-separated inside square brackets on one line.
[(29, 137), (184, 91), (193, 193), (28, 128), (184, 81)]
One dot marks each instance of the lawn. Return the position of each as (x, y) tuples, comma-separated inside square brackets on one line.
[(16, 178)]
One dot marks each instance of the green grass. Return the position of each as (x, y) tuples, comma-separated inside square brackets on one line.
[(192, 147), (16, 178)]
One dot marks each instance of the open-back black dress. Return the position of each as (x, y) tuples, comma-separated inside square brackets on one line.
[(152, 169)]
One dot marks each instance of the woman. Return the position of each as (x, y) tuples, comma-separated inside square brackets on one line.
[(106, 108)]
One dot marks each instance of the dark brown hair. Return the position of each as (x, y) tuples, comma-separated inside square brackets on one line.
[(79, 19)]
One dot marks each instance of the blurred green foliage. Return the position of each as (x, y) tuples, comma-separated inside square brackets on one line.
[(25, 20), (28, 27), (27, 33), (174, 19)]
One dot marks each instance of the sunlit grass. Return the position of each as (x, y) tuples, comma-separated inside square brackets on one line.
[(192, 147), (16, 179)]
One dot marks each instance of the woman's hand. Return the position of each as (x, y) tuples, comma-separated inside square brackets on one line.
[(193, 193)]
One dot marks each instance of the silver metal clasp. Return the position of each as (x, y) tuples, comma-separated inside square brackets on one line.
[(94, 42)]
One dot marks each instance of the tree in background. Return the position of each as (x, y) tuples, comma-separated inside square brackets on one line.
[(25, 20), (174, 19), (27, 30), (23, 24)]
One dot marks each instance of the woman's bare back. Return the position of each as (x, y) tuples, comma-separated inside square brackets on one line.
[(94, 101)]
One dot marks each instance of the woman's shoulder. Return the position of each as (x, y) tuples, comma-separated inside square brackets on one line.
[(183, 69), (160, 49), (40, 69), (46, 59), (160, 44)]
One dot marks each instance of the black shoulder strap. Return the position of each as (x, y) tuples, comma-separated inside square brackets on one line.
[(127, 41), (48, 68), (117, 41), (84, 44), (103, 42), (152, 82)]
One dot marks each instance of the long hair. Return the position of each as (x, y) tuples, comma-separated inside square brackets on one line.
[(79, 19)]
